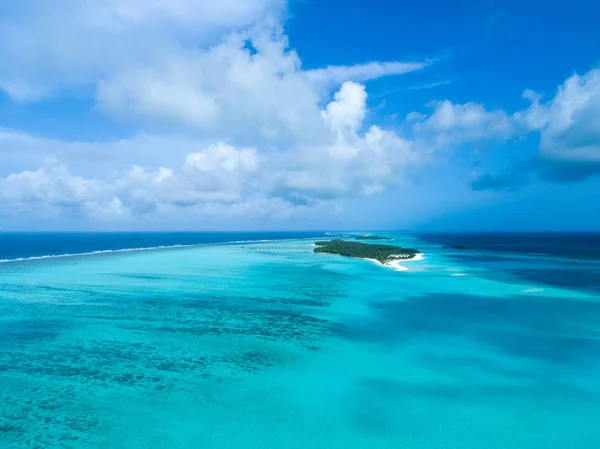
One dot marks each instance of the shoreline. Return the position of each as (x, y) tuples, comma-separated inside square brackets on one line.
[(396, 264)]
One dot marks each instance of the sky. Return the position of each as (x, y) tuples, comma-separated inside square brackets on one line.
[(299, 114)]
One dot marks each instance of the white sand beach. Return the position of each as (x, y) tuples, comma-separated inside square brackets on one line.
[(397, 264)]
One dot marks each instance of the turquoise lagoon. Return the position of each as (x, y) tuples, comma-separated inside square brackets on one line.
[(269, 345)]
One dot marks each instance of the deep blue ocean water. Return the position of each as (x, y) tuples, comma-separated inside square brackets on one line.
[(19, 245), (577, 245), (530, 256), (268, 345)]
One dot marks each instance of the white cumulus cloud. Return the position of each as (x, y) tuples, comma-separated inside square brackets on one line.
[(451, 124), (348, 161), (65, 44), (571, 129)]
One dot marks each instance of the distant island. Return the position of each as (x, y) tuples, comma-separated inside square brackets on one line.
[(456, 247), (384, 254), (372, 237)]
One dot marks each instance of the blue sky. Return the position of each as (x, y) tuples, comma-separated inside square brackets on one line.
[(274, 114)]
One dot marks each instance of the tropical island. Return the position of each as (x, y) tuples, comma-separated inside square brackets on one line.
[(384, 254), (372, 237)]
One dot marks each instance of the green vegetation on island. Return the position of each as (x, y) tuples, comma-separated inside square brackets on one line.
[(381, 253), (372, 237)]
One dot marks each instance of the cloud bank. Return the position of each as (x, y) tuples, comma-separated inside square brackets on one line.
[(226, 120), (346, 161)]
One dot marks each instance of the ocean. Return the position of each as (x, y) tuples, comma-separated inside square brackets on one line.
[(262, 343), (26, 245)]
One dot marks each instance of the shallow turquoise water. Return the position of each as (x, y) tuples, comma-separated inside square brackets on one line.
[(259, 346)]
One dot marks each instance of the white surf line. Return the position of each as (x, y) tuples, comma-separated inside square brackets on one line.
[(150, 248)]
